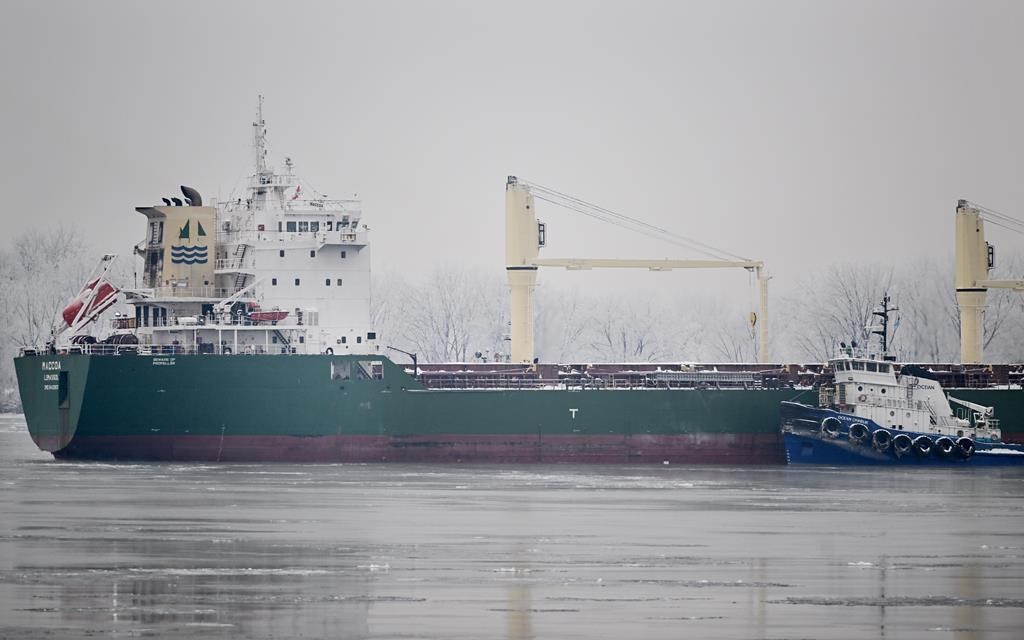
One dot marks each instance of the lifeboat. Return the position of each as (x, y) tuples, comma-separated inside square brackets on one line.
[(268, 316), (105, 295), (272, 316)]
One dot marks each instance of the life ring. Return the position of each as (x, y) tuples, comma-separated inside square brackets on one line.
[(329, 351), (862, 397)]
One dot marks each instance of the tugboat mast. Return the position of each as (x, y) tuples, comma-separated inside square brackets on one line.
[(884, 333)]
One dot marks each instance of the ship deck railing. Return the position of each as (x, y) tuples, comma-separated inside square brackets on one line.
[(206, 348), (611, 381)]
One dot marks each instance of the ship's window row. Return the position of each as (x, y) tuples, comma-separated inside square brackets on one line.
[(327, 282), (313, 226), (312, 253), (878, 367)]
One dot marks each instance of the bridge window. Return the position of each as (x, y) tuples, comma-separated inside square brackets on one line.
[(883, 368), (858, 366), (314, 226), (872, 366), (291, 225), (330, 225), (303, 226)]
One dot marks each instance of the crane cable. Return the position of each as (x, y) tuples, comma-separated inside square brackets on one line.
[(1001, 220), (638, 226)]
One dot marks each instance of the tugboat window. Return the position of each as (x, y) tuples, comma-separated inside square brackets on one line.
[(872, 366), (312, 254), (858, 366), (327, 282), (281, 252), (303, 226), (296, 282), (343, 254), (273, 282), (314, 226), (291, 225), (339, 282)]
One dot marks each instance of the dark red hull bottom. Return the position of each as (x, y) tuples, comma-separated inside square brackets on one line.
[(727, 449)]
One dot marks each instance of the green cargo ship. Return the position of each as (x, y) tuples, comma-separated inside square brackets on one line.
[(251, 340)]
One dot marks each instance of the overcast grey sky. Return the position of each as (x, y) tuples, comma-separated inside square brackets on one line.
[(793, 132)]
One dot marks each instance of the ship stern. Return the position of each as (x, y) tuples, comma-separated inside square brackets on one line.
[(51, 386)]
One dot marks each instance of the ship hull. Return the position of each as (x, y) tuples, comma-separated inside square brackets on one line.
[(806, 441), (257, 408), (248, 408), (738, 449)]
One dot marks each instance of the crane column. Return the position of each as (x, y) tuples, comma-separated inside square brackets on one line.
[(522, 244), (972, 266)]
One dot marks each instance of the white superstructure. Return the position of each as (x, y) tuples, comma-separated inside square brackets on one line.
[(869, 386), (281, 270)]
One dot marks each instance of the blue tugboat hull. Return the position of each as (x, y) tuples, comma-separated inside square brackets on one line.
[(806, 441)]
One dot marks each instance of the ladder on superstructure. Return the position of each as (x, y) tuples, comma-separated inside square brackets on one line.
[(241, 276)]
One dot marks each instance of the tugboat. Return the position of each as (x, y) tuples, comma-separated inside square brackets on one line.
[(878, 413)]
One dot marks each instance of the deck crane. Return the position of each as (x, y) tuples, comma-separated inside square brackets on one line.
[(525, 235), (974, 259)]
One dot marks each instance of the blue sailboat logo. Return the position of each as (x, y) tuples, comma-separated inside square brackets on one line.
[(186, 254)]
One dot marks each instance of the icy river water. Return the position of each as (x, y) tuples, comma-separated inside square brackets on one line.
[(418, 551)]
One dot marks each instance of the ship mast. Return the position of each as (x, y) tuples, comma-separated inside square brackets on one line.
[(884, 316), (259, 139)]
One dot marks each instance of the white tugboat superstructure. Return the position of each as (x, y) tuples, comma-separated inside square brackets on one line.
[(282, 270)]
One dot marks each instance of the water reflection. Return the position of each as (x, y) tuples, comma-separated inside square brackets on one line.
[(365, 551)]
